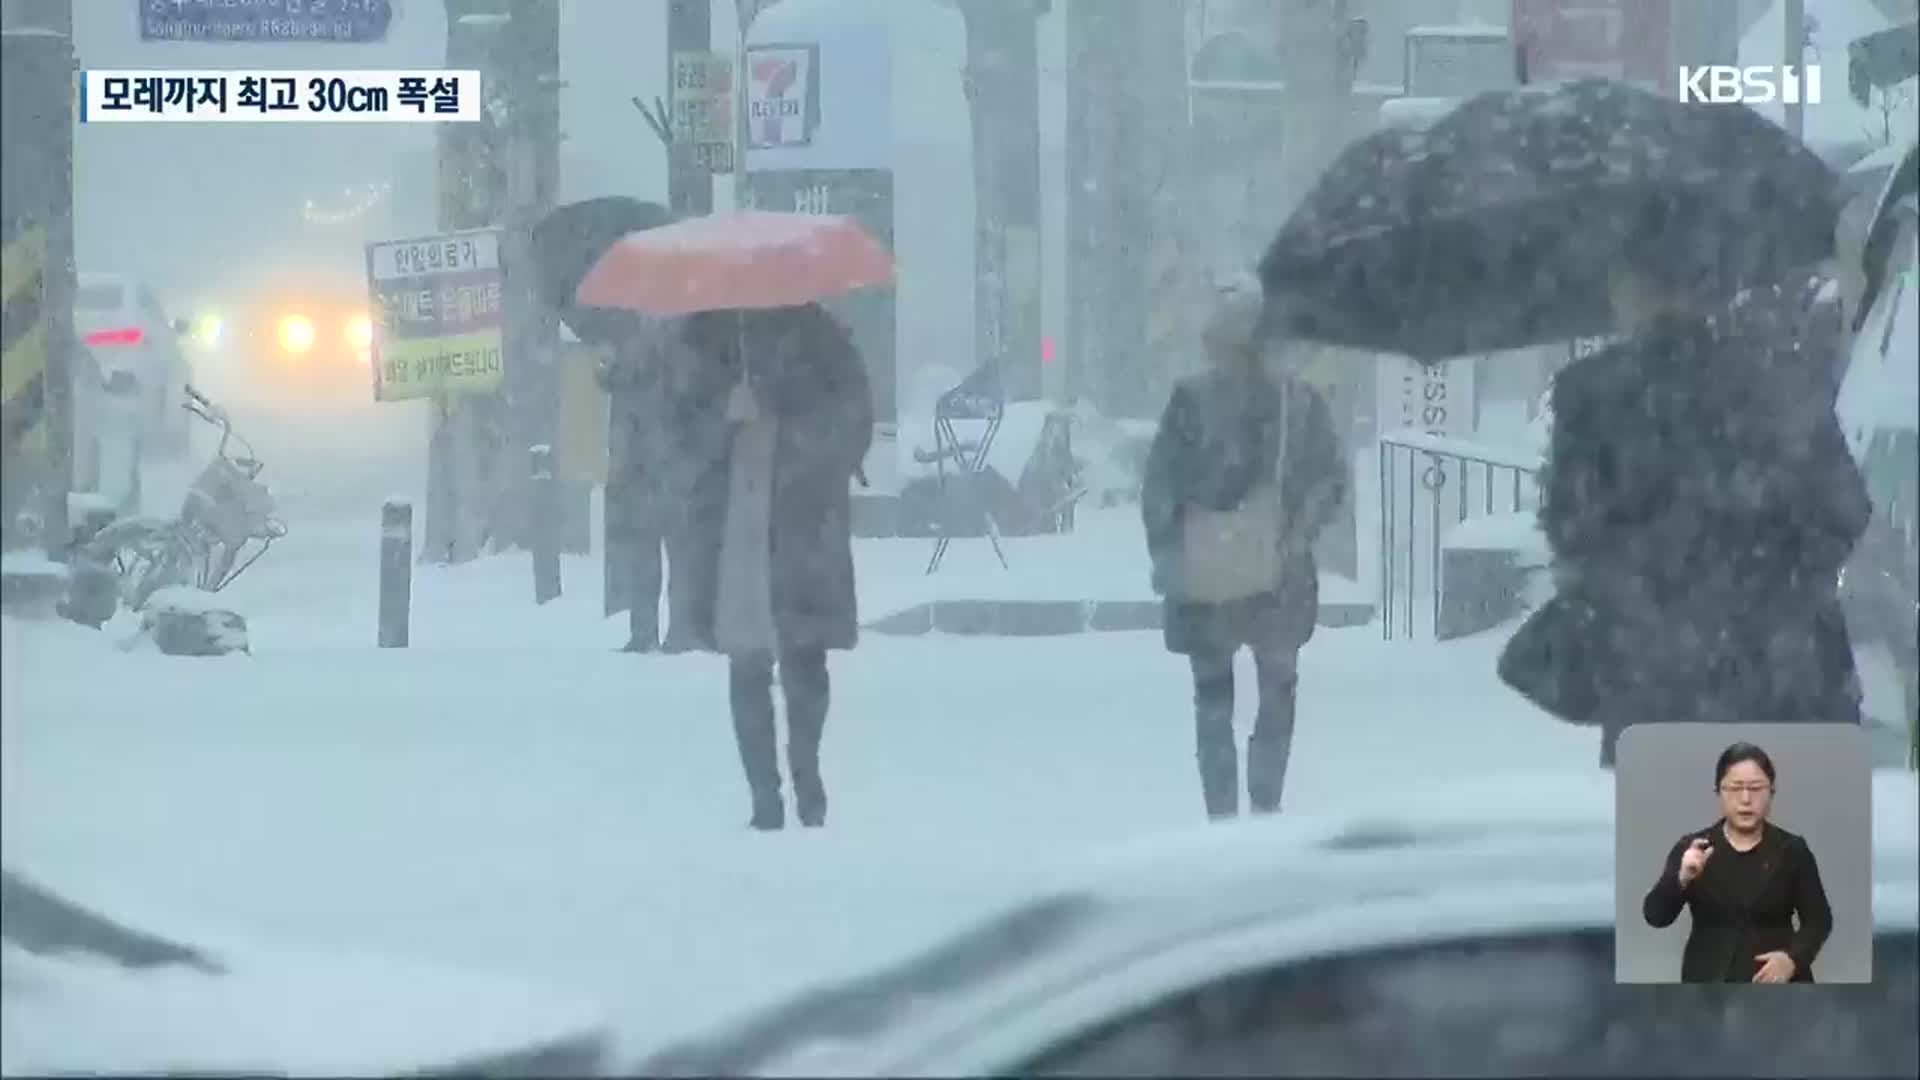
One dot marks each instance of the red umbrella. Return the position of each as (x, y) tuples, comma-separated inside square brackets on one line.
[(750, 259)]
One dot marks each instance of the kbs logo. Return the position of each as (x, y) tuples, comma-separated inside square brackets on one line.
[(1724, 84)]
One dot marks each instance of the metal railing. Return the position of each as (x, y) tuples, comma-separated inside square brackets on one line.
[(1437, 482)]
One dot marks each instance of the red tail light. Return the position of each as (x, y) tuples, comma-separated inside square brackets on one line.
[(131, 335)]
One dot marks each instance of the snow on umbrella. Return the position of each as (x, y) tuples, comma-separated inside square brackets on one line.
[(568, 241), (1497, 227), (745, 260)]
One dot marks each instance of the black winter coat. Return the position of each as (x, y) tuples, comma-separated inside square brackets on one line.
[(807, 372), (1732, 926), (1219, 437), (1699, 500)]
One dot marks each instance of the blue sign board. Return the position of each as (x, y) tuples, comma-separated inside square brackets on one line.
[(265, 20)]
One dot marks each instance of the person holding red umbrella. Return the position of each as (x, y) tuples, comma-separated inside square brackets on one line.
[(796, 418), (774, 416)]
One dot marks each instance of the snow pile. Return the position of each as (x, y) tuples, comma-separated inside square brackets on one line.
[(1518, 532), (186, 600)]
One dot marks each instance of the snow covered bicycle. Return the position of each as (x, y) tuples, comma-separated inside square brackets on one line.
[(226, 523)]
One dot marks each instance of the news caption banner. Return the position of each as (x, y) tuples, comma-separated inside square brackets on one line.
[(438, 307), (347, 21), (150, 96)]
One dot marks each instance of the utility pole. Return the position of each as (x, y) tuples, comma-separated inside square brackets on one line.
[(1318, 49), (1108, 187), (1003, 93), (1312, 37), (37, 223), (532, 77), (1793, 39), (689, 187), (470, 190), (1175, 278)]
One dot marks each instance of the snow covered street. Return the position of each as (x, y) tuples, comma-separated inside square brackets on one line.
[(512, 795)]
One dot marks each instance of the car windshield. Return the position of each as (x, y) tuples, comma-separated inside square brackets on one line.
[(685, 506)]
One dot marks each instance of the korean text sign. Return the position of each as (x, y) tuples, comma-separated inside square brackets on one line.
[(438, 315), (346, 95)]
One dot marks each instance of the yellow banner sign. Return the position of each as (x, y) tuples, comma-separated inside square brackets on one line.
[(455, 364)]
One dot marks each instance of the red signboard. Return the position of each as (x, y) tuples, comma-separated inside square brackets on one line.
[(1629, 40)]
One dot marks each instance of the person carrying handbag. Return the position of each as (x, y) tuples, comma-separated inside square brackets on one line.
[(1244, 472)]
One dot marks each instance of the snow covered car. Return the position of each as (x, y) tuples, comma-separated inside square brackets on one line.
[(86, 994), (122, 322), (1455, 933)]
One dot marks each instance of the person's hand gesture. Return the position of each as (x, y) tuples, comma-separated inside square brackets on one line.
[(1775, 967), (1694, 860), (743, 406)]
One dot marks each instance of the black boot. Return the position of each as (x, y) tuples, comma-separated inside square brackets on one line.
[(750, 694), (768, 816), (803, 679)]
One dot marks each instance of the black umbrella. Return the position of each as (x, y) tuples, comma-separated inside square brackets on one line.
[(1496, 227), (566, 244)]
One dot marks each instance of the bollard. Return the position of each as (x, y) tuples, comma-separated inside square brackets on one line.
[(396, 572), (544, 527)]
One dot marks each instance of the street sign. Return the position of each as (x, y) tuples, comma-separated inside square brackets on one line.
[(1628, 40), (1457, 61), (703, 115), (350, 21), (439, 315)]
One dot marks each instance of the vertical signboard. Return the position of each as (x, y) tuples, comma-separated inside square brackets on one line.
[(783, 95), (1420, 491), (1628, 40), (438, 307), (703, 115)]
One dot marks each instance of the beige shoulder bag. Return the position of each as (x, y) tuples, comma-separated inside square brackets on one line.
[(1235, 554)]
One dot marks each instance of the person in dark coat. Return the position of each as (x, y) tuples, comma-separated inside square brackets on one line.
[(1699, 501), (1745, 880), (784, 407), (652, 485), (1246, 454)]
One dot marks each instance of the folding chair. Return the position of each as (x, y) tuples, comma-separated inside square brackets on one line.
[(979, 396)]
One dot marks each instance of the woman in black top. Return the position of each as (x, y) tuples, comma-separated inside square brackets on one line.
[(1745, 880)]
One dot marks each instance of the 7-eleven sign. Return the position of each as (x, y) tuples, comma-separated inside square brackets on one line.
[(783, 96)]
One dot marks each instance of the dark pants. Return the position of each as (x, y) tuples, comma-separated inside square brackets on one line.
[(1268, 746), (666, 556), (805, 685)]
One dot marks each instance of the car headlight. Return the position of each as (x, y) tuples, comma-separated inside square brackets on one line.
[(296, 334), (207, 330), (360, 332)]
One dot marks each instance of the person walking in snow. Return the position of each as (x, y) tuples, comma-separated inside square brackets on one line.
[(1699, 502), (654, 480), (1243, 474), (784, 402)]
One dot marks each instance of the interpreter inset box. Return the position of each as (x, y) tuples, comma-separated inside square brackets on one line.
[(1743, 854)]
